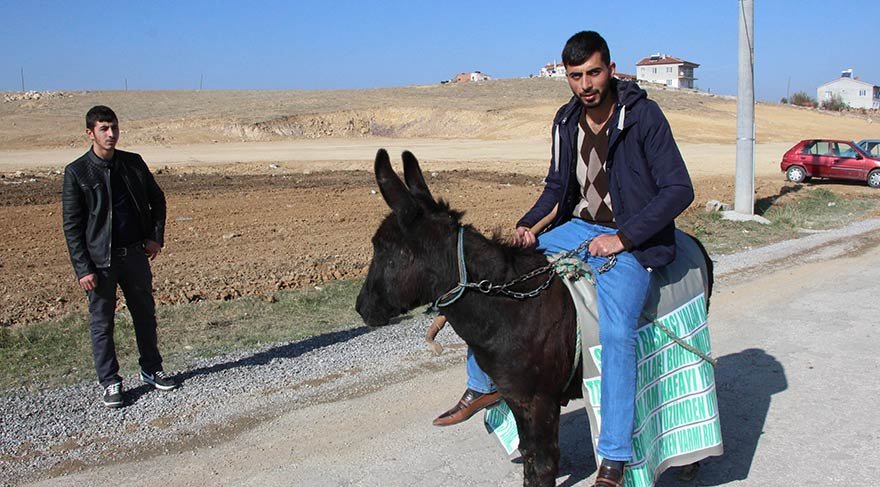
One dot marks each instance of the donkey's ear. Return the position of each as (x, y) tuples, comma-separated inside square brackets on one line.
[(395, 193), (414, 178)]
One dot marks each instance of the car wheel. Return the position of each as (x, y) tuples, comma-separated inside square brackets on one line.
[(796, 174), (874, 178)]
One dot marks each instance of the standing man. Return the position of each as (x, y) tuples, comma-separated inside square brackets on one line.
[(618, 179), (114, 219)]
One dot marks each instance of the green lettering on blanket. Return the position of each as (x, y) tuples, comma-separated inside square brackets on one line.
[(676, 406), (680, 322), (594, 387), (596, 354), (500, 421)]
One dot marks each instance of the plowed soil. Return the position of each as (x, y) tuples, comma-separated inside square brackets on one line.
[(254, 223), (228, 236)]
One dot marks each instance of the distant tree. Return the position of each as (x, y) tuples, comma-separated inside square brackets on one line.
[(834, 104), (802, 99), (784, 101)]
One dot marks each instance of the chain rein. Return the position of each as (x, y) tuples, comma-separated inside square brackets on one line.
[(487, 287)]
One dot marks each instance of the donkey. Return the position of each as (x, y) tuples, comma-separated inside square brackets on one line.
[(527, 346)]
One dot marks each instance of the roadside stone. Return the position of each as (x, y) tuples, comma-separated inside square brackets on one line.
[(715, 205)]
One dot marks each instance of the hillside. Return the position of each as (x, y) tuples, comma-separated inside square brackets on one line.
[(500, 109)]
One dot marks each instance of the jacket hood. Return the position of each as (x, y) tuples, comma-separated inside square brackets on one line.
[(628, 93)]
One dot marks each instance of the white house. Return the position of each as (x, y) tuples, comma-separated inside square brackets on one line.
[(666, 70), (478, 76), (852, 91), (552, 70)]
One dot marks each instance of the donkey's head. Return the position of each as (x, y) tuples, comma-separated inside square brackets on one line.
[(413, 249)]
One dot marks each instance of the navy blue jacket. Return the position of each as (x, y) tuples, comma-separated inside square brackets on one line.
[(647, 177)]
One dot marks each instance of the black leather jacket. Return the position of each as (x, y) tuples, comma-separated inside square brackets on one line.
[(87, 207)]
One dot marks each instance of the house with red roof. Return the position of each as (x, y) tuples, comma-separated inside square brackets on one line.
[(666, 70), (470, 76)]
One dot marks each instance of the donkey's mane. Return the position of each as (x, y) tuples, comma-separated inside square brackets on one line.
[(444, 206), (496, 238)]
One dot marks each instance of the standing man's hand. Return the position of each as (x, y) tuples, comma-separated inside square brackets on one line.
[(152, 248), (88, 282), (524, 238), (606, 245)]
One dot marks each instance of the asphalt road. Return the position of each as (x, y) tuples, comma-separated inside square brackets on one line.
[(796, 338)]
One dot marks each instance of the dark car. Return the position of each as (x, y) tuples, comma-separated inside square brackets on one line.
[(870, 146), (832, 159)]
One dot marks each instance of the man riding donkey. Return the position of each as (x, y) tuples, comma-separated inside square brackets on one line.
[(618, 180)]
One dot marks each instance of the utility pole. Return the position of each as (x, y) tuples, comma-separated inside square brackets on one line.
[(22, 79), (125, 80), (745, 112), (201, 78)]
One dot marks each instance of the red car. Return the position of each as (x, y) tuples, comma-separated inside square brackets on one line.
[(833, 159)]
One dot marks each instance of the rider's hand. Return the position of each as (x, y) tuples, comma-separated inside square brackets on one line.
[(606, 245), (524, 238)]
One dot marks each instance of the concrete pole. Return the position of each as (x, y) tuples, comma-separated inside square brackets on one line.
[(745, 112)]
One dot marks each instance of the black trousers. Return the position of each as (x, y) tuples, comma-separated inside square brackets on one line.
[(130, 270)]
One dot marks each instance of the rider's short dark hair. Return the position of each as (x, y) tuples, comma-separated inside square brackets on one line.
[(582, 45), (99, 113)]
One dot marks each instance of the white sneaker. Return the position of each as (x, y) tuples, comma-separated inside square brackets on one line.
[(158, 380)]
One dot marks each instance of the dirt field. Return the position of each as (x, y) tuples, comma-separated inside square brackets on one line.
[(273, 190)]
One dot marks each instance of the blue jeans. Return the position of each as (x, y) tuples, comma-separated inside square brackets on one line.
[(620, 295), (477, 379)]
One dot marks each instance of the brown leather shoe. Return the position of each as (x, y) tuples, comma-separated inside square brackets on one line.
[(609, 476), (469, 404)]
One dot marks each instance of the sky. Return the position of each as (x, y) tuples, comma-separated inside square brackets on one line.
[(342, 44)]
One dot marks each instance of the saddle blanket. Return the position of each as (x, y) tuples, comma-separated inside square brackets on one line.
[(676, 415)]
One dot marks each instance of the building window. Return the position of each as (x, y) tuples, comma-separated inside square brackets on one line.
[(654, 70), (863, 92), (669, 69)]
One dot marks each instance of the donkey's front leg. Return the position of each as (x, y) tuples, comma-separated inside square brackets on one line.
[(538, 423)]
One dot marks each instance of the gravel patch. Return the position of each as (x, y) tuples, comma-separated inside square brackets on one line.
[(66, 429)]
